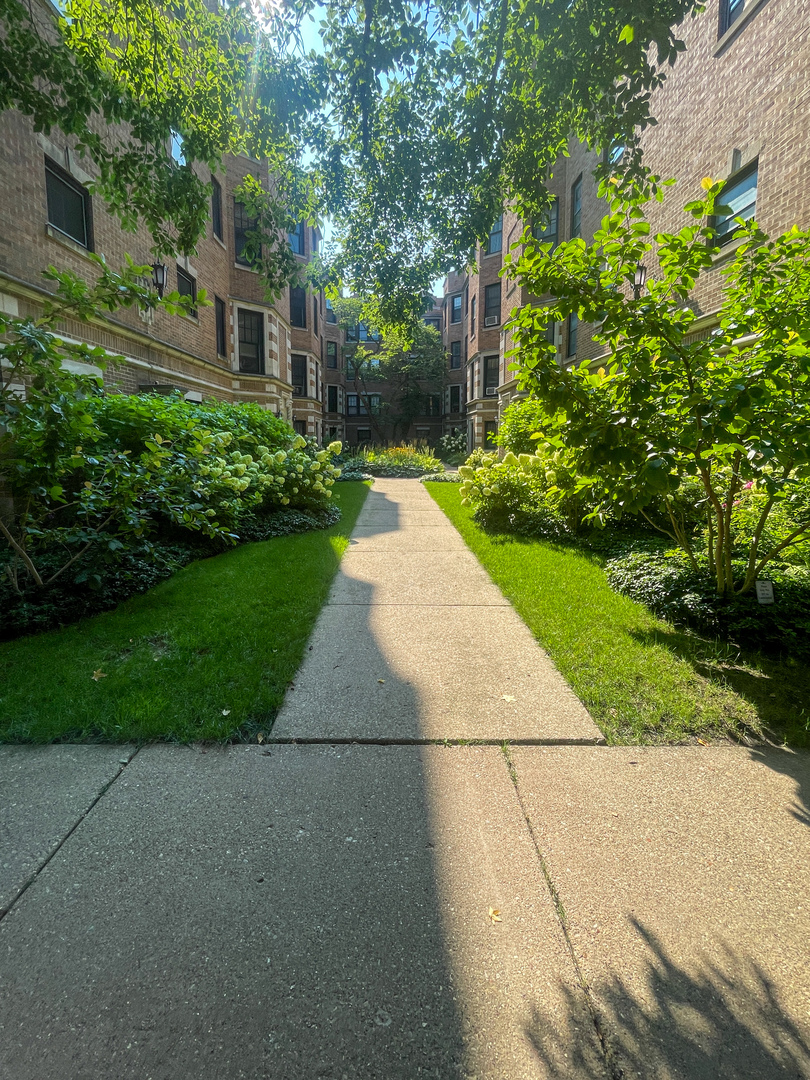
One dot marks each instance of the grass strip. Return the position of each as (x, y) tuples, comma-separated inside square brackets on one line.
[(206, 655), (621, 661)]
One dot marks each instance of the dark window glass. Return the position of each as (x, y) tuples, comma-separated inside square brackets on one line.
[(433, 405), (472, 318), (68, 205), (466, 298), (216, 208), (495, 238), (299, 375), (331, 354), (331, 317), (363, 434), (455, 309), (455, 354), (331, 399), (300, 427), (298, 306), (297, 241), (547, 230), (222, 335), (573, 323), (355, 406), (251, 342), (730, 11), (491, 371), (187, 286), (315, 240), (740, 196), (576, 208), (242, 224), (490, 431), (492, 303), (315, 314), (455, 399)]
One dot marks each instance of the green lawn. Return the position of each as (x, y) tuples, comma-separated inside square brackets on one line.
[(641, 680), (205, 655)]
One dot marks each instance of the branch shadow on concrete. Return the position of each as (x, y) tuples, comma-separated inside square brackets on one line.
[(708, 1021)]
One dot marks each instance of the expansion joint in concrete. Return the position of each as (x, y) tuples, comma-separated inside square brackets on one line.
[(603, 1034), (291, 740), (32, 877)]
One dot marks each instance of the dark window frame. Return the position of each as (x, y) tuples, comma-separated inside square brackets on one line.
[(472, 317), (491, 309), (572, 327), (299, 365), (65, 180), (455, 390), (242, 224), (216, 208), (495, 231), (730, 11), (747, 212), (297, 239), (545, 233), (221, 319), (245, 315), (491, 369), (332, 398), (298, 307), (455, 355), (187, 286), (331, 317), (332, 354), (455, 308), (576, 208)]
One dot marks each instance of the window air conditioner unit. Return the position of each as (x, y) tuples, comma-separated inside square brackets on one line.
[(491, 391), (492, 320)]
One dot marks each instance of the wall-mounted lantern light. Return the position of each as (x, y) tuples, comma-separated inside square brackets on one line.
[(159, 278), (639, 278)]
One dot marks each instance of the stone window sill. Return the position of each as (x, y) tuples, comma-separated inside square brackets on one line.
[(68, 242)]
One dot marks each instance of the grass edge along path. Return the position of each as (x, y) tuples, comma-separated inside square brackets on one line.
[(206, 655), (606, 646)]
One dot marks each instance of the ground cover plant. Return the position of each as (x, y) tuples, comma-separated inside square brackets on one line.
[(207, 654), (409, 461), (640, 678)]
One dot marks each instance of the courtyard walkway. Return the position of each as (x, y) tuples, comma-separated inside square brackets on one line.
[(359, 898)]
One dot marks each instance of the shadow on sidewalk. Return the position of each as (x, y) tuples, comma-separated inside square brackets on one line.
[(713, 1022)]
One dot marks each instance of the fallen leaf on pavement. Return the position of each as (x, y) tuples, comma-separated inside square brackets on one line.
[(494, 915), (260, 738), (508, 697), (703, 742), (98, 675), (380, 680)]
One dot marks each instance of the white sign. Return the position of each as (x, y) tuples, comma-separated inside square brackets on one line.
[(765, 592)]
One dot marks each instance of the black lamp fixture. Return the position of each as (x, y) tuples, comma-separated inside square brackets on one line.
[(639, 278), (159, 278)]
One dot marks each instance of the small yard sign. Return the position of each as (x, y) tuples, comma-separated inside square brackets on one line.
[(765, 591)]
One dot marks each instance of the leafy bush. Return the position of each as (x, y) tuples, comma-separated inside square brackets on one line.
[(519, 422), (670, 587), (452, 449), (441, 478), (401, 461)]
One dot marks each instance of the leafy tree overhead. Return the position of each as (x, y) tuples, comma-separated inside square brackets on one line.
[(712, 422)]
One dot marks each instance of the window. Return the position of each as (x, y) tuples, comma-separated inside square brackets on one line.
[(740, 196), (363, 434), (374, 403), (220, 316), (176, 148), (730, 11), (455, 354), (436, 324), (68, 205), (297, 238), (466, 298), (455, 309), (433, 405), (455, 399), (216, 209), (300, 427), (298, 306), (331, 354), (331, 399), (576, 208), (547, 230), (495, 238), (491, 372), (251, 342), (472, 318), (242, 224), (331, 317), (354, 406), (187, 286), (573, 323), (490, 431), (314, 314), (299, 375), (492, 304), (314, 240)]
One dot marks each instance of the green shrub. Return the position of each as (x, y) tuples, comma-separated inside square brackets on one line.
[(667, 584), (441, 478), (401, 461), (519, 421), (452, 449)]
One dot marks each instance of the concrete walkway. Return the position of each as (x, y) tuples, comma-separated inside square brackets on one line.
[(326, 906)]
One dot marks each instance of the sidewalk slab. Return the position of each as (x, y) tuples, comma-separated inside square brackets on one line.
[(373, 577), (239, 914), (44, 791), (388, 537), (400, 673), (402, 519), (685, 877)]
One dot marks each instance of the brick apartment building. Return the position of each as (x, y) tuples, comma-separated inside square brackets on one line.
[(734, 106)]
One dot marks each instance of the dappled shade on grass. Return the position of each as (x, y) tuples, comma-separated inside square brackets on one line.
[(204, 655), (605, 645)]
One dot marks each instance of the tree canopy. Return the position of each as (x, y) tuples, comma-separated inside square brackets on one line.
[(411, 127)]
